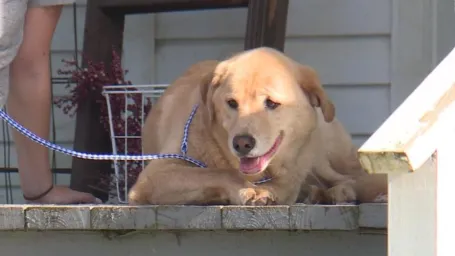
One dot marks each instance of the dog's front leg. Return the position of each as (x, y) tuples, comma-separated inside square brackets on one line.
[(283, 192), (176, 184)]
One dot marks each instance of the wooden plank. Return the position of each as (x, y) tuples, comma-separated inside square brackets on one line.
[(123, 217), (324, 217), (445, 212), (149, 6), (52, 217), (12, 217), (256, 217), (412, 212), (266, 24), (373, 215), (188, 217), (167, 217), (102, 33), (411, 134)]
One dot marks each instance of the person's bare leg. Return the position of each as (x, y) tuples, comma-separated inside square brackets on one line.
[(29, 103)]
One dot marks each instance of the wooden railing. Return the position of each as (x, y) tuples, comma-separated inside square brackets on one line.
[(416, 147)]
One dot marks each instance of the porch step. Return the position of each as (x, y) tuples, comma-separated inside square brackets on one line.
[(115, 217)]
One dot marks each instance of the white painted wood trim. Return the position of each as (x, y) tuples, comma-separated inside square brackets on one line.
[(445, 212), (420, 211), (411, 134), (412, 212)]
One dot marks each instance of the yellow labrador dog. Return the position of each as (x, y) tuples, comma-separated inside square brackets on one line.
[(266, 130)]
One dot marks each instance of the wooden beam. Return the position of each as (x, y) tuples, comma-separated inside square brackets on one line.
[(445, 212), (266, 24), (102, 32), (411, 134), (420, 213), (412, 212), (153, 6)]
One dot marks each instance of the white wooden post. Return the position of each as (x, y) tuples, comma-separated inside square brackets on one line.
[(412, 212), (445, 213), (419, 185)]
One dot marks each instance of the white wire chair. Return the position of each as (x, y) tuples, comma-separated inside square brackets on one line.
[(123, 126)]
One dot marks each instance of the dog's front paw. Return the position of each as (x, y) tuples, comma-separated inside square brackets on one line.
[(256, 197), (342, 194)]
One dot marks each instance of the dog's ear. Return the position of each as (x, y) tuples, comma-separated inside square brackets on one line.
[(209, 83), (310, 83)]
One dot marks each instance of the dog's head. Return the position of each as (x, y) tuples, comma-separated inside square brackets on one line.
[(263, 102)]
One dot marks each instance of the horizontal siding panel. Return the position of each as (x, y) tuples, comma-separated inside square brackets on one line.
[(305, 18), (361, 109), (358, 140), (348, 60), (172, 57), (138, 54)]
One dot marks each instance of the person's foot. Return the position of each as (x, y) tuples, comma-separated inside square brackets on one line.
[(65, 195)]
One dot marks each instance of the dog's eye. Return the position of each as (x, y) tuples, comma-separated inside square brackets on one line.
[(271, 104), (233, 104)]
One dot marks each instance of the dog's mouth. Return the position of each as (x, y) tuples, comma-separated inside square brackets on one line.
[(253, 165)]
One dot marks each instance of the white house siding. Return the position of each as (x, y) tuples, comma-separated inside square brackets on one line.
[(358, 47)]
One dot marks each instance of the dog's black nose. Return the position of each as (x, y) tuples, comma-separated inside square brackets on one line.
[(243, 144)]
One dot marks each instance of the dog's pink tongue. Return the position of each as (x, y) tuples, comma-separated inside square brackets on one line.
[(250, 165)]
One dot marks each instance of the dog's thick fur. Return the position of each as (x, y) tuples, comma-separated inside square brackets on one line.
[(315, 162)]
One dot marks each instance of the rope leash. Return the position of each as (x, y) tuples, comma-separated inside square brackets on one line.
[(101, 157)]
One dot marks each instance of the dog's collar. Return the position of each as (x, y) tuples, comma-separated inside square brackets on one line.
[(262, 181), (184, 145), (263, 178)]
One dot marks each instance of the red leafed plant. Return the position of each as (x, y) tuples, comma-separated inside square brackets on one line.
[(90, 81)]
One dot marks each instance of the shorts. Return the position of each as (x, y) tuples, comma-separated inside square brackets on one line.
[(12, 19)]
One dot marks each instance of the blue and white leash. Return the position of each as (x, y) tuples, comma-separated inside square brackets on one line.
[(35, 138), (183, 147)]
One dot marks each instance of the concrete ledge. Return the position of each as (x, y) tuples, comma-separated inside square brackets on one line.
[(115, 217)]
